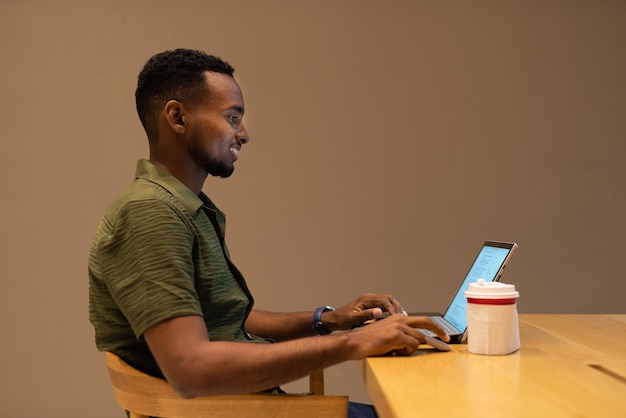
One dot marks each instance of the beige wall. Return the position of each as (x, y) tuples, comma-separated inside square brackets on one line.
[(389, 139)]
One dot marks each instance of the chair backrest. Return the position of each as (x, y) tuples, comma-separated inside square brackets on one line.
[(147, 396)]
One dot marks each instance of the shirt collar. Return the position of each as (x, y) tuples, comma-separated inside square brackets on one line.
[(148, 171)]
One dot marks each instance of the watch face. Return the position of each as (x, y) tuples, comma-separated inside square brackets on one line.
[(318, 325)]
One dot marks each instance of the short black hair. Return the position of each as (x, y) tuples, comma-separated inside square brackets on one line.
[(173, 75)]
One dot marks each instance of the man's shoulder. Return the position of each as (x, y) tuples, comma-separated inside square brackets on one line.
[(143, 193)]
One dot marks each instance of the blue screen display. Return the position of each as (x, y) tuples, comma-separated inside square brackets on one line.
[(486, 267)]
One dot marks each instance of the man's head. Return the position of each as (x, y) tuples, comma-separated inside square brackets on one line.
[(173, 75), (192, 110)]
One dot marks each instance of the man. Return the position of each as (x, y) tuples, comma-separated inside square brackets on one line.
[(164, 294)]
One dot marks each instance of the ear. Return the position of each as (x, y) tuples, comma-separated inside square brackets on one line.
[(175, 116)]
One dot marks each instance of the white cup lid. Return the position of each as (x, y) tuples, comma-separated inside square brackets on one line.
[(482, 289)]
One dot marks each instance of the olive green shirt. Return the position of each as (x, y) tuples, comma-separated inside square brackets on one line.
[(159, 253)]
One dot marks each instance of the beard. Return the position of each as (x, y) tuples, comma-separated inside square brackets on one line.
[(210, 164)]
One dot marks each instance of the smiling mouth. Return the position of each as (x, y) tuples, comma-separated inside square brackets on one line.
[(234, 151)]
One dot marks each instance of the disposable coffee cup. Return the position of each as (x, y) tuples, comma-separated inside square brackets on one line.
[(492, 323)]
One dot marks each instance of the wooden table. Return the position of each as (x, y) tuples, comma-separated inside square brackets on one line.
[(567, 366)]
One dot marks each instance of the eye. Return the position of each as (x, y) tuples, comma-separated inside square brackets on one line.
[(234, 119)]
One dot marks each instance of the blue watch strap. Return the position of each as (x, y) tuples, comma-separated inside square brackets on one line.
[(317, 319)]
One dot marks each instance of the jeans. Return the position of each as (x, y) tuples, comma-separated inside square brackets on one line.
[(361, 410)]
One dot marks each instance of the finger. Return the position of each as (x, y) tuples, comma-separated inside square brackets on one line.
[(403, 352), (366, 315), (374, 313), (414, 339), (388, 303), (427, 323), (396, 306), (394, 334), (419, 336)]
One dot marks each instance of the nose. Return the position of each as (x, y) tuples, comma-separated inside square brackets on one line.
[(242, 134)]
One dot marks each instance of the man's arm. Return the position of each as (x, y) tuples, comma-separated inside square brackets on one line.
[(196, 366), (280, 326), (288, 326)]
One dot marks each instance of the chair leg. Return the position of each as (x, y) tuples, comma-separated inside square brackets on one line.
[(316, 382)]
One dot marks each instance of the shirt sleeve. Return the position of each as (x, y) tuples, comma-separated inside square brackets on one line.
[(147, 264)]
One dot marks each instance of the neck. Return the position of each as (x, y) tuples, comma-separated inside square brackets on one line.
[(184, 172)]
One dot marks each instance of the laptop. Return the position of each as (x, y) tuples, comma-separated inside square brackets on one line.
[(489, 264)]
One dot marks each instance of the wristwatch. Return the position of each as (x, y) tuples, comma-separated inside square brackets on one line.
[(317, 320)]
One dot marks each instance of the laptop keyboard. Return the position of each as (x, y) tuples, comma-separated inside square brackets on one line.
[(447, 327)]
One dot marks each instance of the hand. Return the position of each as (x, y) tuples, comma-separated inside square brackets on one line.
[(396, 333), (366, 307)]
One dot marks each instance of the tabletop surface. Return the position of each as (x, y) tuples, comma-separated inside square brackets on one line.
[(568, 366)]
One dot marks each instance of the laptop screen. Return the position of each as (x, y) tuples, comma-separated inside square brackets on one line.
[(486, 266)]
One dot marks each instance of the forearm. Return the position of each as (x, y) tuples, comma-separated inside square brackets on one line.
[(196, 366), (280, 326), (218, 368)]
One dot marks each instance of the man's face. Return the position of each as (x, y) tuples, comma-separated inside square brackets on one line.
[(218, 132)]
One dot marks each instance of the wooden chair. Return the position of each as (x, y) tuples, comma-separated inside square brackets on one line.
[(147, 396)]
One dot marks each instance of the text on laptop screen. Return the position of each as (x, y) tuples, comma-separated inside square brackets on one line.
[(486, 267)]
